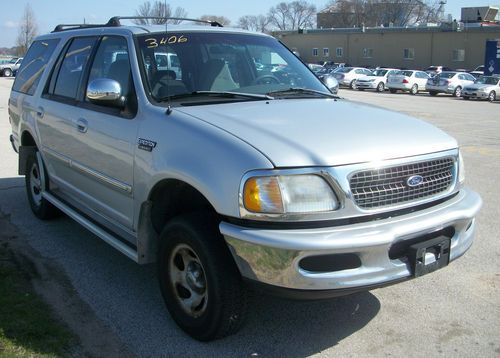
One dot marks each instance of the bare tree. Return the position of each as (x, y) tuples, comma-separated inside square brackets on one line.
[(258, 23), (292, 15), (27, 30), (357, 13), (224, 21), (158, 9)]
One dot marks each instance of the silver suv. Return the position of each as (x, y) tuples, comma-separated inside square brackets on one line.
[(232, 175)]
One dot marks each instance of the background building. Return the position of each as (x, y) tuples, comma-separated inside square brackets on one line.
[(459, 45)]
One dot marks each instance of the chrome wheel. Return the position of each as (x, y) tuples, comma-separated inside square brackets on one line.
[(35, 184), (187, 277)]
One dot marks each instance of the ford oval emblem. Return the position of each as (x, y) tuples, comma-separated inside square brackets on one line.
[(414, 180)]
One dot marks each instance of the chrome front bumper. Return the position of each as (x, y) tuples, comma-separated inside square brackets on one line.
[(272, 256)]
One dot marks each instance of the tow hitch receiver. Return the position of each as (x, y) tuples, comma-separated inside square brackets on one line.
[(430, 255)]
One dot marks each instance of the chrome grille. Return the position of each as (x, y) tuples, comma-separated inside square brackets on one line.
[(388, 186)]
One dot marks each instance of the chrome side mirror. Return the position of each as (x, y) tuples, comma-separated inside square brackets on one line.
[(331, 82), (106, 92)]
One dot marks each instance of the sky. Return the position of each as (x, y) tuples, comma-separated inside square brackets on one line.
[(49, 13)]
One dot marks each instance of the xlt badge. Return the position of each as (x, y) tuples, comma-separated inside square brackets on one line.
[(146, 144)]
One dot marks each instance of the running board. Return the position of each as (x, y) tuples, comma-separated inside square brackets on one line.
[(93, 228)]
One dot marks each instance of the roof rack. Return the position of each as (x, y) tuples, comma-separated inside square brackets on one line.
[(115, 21)]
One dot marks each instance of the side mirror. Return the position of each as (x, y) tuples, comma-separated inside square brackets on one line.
[(105, 92), (330, 82)]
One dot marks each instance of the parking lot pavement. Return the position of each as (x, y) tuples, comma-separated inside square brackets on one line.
[(452, 312)]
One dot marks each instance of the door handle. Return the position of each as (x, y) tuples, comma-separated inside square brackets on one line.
[(82, 125)]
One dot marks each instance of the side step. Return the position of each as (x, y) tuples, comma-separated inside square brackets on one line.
[(93, 228)]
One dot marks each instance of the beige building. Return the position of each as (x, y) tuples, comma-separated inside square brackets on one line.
[(412, 48)]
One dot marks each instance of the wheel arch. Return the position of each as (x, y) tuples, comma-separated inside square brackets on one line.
[(28, 145)]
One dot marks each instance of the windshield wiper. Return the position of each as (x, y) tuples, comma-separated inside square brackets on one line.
[(224, 94), (301, 91)]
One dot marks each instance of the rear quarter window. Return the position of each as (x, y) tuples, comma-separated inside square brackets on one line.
[(33, 66)]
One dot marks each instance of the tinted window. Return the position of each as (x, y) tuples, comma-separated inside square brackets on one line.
[(33, 66), (73, 66), (112, 61)]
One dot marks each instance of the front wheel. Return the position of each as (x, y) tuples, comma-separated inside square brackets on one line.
[(414, 89), (199, 281), (353, 85), (380, 87), (492, 96), (7, 72), (457, 92)]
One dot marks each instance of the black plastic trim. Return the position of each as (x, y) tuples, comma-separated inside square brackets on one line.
[(280, 225), (310, 295)]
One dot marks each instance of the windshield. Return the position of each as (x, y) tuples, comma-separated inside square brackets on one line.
[(447, 74), (379, 73), (13, 60), (487, 80), (344, 70), (179, 64)]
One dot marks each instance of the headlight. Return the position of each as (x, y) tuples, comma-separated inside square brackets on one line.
[(461, 168), (288, 194)]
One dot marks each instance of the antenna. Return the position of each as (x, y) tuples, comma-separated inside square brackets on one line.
[(169, 104)]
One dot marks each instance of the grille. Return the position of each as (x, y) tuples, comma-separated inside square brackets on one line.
[(388, 186)]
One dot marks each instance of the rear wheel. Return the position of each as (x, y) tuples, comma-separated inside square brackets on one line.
[(36, 180), (380, 87), (392, 90), (492, 96), (457, 92), (414, 89), (433, 93), (199, 281)]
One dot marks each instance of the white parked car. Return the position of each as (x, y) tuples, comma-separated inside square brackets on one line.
[(347, 76), (486, 87), (408, 81), (449, 82), (8, 69), (377, 80)]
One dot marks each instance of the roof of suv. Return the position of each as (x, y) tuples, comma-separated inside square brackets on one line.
[(115, 27)]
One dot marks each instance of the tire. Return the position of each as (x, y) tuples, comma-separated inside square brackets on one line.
[(195, 263), (352, 85), (414, 89), (457, 92), (492, 96), (380, 87), (7, 72), (393, 90), (40, 206), (433, 93)]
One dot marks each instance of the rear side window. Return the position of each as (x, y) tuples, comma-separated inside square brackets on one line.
[(34, 65), (73, 67)]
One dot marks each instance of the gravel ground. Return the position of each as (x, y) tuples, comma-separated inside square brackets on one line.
[(452, 312)]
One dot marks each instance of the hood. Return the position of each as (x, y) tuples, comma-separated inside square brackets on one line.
[(323, 132), (479, 86)]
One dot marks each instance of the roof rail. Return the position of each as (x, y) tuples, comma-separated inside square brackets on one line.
[(66, 27), (115, 21)]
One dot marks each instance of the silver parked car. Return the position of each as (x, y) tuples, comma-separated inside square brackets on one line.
[(7, 69), (232, 176), (377, 80), (408, 81), (450, 83), (485, 87), (347, 76)]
